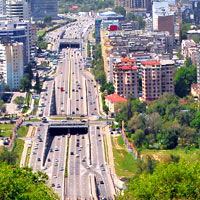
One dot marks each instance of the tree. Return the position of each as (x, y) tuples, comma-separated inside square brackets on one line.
[(37, 83), (8, 156), (188, 62), (138, 138), (47, 19), (195, 123), (131, 17), (25, 84), (19, 101), (120, 10), (177, 180), (22, 183), (142, 23), (2, 107), (7, 88), (184, 78)]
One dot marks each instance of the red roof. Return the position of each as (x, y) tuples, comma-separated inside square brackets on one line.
[(150, 62), (127, 67), (115, 98), (128, 60)]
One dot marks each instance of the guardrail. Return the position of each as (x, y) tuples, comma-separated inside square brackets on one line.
[(129, 145), (17, 125)]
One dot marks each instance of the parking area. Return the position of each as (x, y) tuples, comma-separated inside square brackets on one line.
[(11, 108)]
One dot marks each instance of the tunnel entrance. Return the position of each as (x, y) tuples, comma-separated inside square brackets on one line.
[(61, 131), (69, 45), (65, 131)]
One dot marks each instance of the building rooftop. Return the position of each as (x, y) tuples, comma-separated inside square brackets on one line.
[(150, 62), (115, 98), (127, 67), (128, 60)]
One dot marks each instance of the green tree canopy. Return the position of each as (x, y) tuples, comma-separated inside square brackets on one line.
[(25, 83), (130, 16), (8, 156), (19, 100), (2, 107), (21, 183), (47, 19), (184, 78), (177, 180), (120, 10)]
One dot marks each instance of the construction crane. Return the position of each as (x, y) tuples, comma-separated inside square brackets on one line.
[(179, 18)]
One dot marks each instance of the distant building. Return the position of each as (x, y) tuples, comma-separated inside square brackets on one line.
[(194, 90), (163, 19), (157, 78), (138, 7), (2, 7), (18, 9), (125, 80), (111, 101), (41, 9), (11, 64)]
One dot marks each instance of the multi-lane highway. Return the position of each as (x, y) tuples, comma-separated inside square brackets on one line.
[(75, 95)]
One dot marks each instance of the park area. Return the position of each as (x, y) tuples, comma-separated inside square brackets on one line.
[(6, 131)]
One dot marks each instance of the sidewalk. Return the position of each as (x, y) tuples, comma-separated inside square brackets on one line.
[(27, 140), (111, 167)]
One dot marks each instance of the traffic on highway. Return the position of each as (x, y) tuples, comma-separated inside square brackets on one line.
[(73, 160)]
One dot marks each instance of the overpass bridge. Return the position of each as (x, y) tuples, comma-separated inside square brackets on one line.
[(65, 128)]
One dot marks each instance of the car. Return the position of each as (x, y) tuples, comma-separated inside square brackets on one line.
[(49, 160), (98, 127), (72, 72), (66, 92), (83, 137), (55, 164), (77, 145), (61, 169), (38, 159), (83, 160), (77, 109), (102, 169), (82, 115), (88, 167), (92, 113), (101, 182), (77, 155), (71, 153), (40, 140), (101, 165), (76, 90), (73, 90), (99, 135), (81, 97), (56, 149), (77, 99), (61, 102), (44, 168), (34, 153), (95, 108), (73, 113), (51, 150), (58, 185), (56, 160), (79, 149), (54, 176), (52, 185), (38, 129)]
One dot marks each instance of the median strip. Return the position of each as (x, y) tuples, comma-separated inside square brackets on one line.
[(70, 76), (106, 149), (66, 162)]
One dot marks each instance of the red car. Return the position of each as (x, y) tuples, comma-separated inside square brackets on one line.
[(94, 108)]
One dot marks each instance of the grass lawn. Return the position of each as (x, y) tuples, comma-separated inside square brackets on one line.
[(164, 155), (18, 148), (22, 131), (40, 32), (6, 129), (105, 148), (124, 161)]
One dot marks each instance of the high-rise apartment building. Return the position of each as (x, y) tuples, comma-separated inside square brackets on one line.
[(11, 63), (40, 9), (12, 31), (2, 7), (157, 78), (18, 9), (125, 80)]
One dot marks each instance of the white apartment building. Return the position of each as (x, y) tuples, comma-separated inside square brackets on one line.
[(11, 64)]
